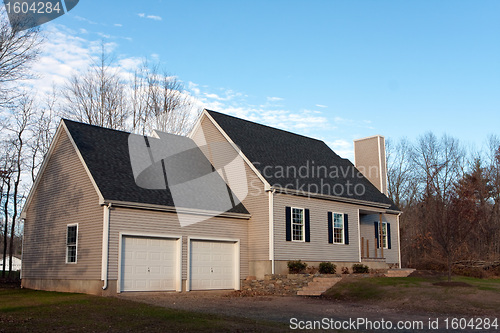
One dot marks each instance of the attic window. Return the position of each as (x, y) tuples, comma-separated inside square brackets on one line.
[(71, 243)]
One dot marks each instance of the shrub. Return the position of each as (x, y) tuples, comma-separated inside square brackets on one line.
[(327, 268), (359, 268), (296, 266), (345, 270)]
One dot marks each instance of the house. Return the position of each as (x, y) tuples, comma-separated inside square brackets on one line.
[(16, 264), (112, 211)]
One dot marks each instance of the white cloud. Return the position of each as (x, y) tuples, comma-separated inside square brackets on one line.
[(321, 106), (342, 147), (274, 99), (151, 17), (154, 17), (118, 25), (104, 35), (83, 31), (83, 19)]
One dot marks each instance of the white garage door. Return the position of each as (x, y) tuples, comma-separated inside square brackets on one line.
[(149, 264), (213, 265)]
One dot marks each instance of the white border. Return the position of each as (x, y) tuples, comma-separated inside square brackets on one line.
[(178, 239), (66, 236), (237, 262)]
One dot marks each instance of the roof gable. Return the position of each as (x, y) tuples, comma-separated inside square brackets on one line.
[(293, 161)]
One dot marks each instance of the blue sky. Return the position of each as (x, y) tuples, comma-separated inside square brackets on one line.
[(334, 70)]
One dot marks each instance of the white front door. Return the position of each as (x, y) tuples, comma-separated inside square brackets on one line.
[(213, 265), (148, 264)]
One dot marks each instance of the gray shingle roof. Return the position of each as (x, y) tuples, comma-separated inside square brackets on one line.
[(284, 158), (107, 155)]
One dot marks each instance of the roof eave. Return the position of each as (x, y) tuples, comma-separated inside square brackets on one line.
[(172, 209)]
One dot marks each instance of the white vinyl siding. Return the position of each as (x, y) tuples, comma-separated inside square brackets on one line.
[(318, 249), (64, 194)]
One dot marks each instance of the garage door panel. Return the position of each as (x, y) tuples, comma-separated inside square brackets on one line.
[(212, 265), (149, 264)]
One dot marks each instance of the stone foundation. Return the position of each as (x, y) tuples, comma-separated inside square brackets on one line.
[(277, 284)]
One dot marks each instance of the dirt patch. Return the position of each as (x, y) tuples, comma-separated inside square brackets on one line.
[(452, 284)]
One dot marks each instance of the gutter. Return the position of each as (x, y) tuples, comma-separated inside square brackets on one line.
[(105, 245)]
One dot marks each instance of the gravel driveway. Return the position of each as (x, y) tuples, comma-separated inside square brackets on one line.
[(277, 308)]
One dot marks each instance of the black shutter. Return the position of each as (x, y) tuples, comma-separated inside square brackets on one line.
[(376, 234), (307, 226), (346, 229), (288, 214), (388, 235), (330, 228)]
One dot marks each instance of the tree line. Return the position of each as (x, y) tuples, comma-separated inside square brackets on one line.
[(105, 94), (450, 199)]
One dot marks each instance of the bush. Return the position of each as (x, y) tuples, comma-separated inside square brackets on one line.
[(327, 268), (345, 270), (296, 266), (359, 268)]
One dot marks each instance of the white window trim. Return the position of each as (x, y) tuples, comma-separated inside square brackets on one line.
[(76, 244), (303, 240), (333, 228), (386, 246)]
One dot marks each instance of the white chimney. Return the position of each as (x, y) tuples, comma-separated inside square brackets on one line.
[(370, 160)]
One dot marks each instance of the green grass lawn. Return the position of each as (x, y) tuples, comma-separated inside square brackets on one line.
[(481, 297), (24, 310)]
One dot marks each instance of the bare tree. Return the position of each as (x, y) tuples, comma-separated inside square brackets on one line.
[(17, 127), (440, 164), (18, 51), (160, 101), (98, 96)]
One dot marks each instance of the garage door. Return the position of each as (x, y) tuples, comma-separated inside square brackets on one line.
[(149, 264), (213, 265)]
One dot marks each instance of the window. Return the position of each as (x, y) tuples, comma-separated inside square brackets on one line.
[(298, 224), (338, 228), (71, 242), (384, 235)]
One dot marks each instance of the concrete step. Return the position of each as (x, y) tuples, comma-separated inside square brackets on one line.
[(309, 293), (318, 286), (326, 279), (403, 272)]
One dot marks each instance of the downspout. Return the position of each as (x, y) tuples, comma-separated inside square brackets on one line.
[(105, 245), (270, 192), (399, 242)]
